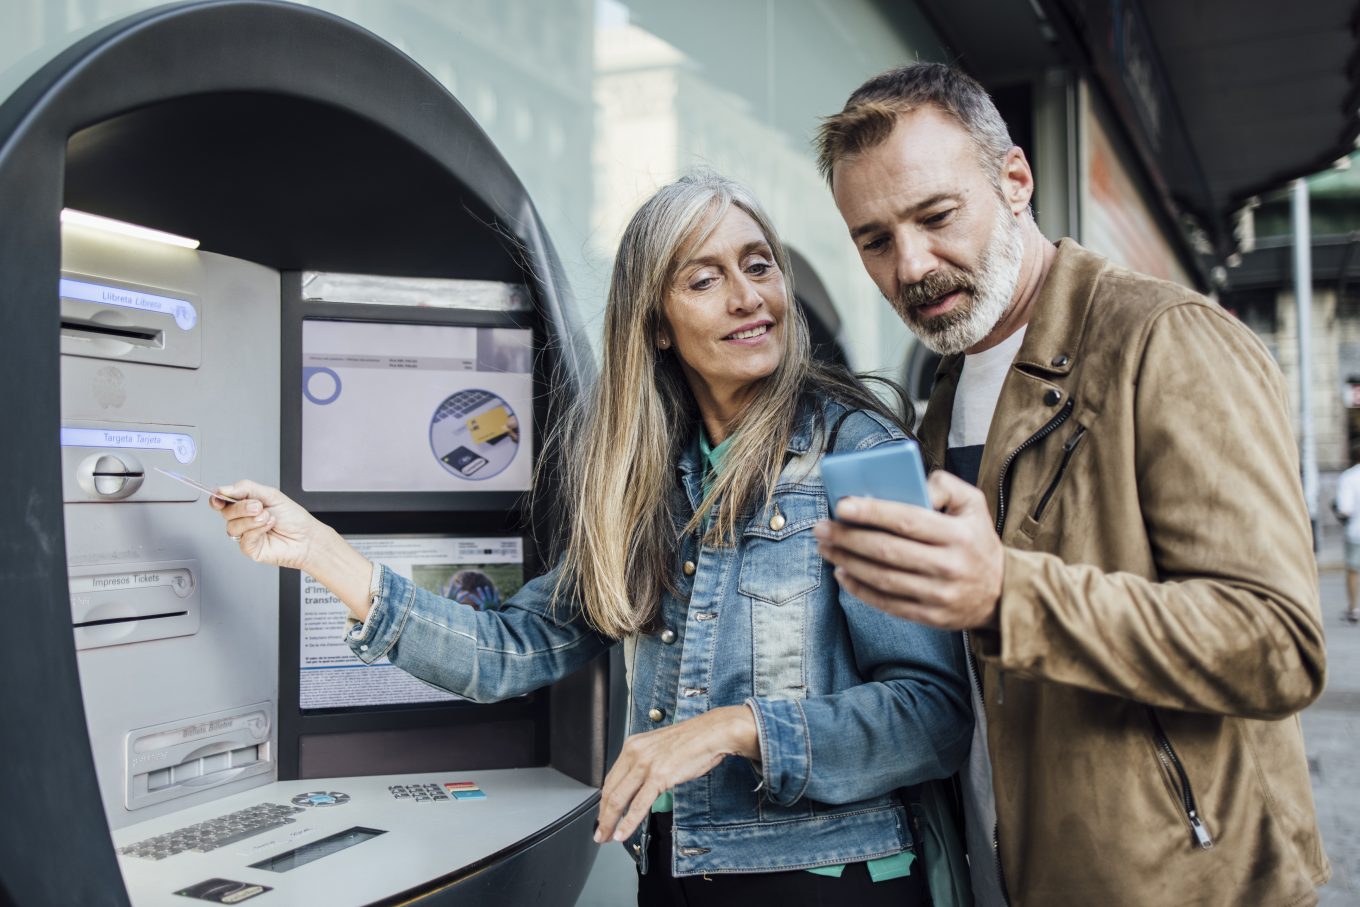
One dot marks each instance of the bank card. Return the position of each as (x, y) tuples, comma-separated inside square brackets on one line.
[(489, 425), (185, 480)]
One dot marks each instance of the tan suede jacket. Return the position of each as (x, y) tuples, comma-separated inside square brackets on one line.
[(1159, 624)]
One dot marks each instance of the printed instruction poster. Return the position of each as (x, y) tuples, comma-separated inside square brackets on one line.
[(479, 573), (416, 407)]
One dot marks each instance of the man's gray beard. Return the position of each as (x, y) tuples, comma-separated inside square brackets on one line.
[(992, 288)]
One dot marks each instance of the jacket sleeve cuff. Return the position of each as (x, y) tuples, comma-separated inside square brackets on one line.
[(1011, 641), (785, 748), (371, 638)]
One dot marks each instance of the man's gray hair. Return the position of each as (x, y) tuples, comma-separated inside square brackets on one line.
[(872, 110)]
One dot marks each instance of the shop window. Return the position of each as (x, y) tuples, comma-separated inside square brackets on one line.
[(1258, 309), (1348, 304)]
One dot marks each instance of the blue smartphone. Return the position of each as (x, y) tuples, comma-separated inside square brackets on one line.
[(891, 472)]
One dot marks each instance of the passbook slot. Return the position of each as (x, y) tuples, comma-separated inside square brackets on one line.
[(183, 757), (110, 319), (117, 604), (95, 331)]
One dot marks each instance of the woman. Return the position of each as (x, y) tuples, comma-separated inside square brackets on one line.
[(773, 716)]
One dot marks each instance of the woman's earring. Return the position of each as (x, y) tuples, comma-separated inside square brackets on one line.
[(663, 342)]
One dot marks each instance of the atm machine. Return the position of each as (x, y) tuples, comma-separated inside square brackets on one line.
[(338, 287)]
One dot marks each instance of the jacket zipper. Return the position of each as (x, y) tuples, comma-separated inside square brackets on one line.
[(1003, 480), (1048, 429), (1172, 762), (1068, 449)]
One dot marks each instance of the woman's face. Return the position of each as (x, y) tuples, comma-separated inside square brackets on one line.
[(724, 311)]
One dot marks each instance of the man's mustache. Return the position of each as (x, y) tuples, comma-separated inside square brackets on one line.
[(931, 288)]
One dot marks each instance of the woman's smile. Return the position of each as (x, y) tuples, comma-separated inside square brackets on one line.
[(751, 334)]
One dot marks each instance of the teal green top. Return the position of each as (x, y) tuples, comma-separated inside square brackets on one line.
[(713, 456), (880, 870)]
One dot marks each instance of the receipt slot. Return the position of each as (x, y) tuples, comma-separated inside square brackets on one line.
[(194, 715), (114, 604)]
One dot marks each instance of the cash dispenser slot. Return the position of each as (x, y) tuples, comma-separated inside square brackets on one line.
[(114, 604), (184, 757)]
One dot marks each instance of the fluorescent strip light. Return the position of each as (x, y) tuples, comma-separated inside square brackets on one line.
[(122, 228)]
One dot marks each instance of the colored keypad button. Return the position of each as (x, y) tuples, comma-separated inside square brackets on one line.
[(473, 794), (460, 785)]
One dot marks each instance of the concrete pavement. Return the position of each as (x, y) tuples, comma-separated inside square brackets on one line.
[(1331, 733)]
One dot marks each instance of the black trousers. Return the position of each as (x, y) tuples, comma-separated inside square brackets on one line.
[(796, 888)]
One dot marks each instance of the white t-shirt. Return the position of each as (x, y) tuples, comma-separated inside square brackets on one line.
[(974, 404), (1348, 502)]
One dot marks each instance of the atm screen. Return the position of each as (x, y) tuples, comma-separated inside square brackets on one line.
[(479, 573), (416, 407)]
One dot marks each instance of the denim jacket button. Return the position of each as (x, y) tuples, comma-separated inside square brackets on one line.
[(689, 568), (656, 714), (668, 636)]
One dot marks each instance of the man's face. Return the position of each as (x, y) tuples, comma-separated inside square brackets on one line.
[(932, 229)]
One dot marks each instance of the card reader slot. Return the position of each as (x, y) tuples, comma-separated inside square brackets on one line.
[(85, 329)]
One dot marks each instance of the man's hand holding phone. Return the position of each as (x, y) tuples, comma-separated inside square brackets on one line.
[(939, 565)]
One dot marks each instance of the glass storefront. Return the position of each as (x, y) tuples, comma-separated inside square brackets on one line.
[(597, 102)]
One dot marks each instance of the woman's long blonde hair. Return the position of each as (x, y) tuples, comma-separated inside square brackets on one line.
[(621, 443)]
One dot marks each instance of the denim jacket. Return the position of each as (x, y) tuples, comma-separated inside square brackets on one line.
[(850, 703)]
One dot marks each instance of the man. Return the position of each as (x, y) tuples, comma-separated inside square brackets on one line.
[(1135, 575), (1346, 506)]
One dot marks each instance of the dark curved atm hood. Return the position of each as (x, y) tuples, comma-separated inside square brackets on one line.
[(269, 131)]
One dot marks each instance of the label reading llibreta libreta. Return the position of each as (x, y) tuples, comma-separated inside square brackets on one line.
[(182, 310)]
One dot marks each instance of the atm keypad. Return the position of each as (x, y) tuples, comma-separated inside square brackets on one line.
[(418, 792), (444, 791), (214, 833)]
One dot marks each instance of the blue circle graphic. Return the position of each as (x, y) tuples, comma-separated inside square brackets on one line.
[(309, 373)]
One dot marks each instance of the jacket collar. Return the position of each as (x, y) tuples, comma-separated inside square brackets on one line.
[(1058, 325), (805, 428), (1048, 353)]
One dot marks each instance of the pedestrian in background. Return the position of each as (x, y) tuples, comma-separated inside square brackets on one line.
[(1346, 505)]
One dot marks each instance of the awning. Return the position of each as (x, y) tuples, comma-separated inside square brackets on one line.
[(1222, 99)]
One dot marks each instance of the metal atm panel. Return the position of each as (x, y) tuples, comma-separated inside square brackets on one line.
[(173, 627)]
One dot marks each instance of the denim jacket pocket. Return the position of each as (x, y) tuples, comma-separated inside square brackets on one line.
[(779, 559), (780, 569)]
